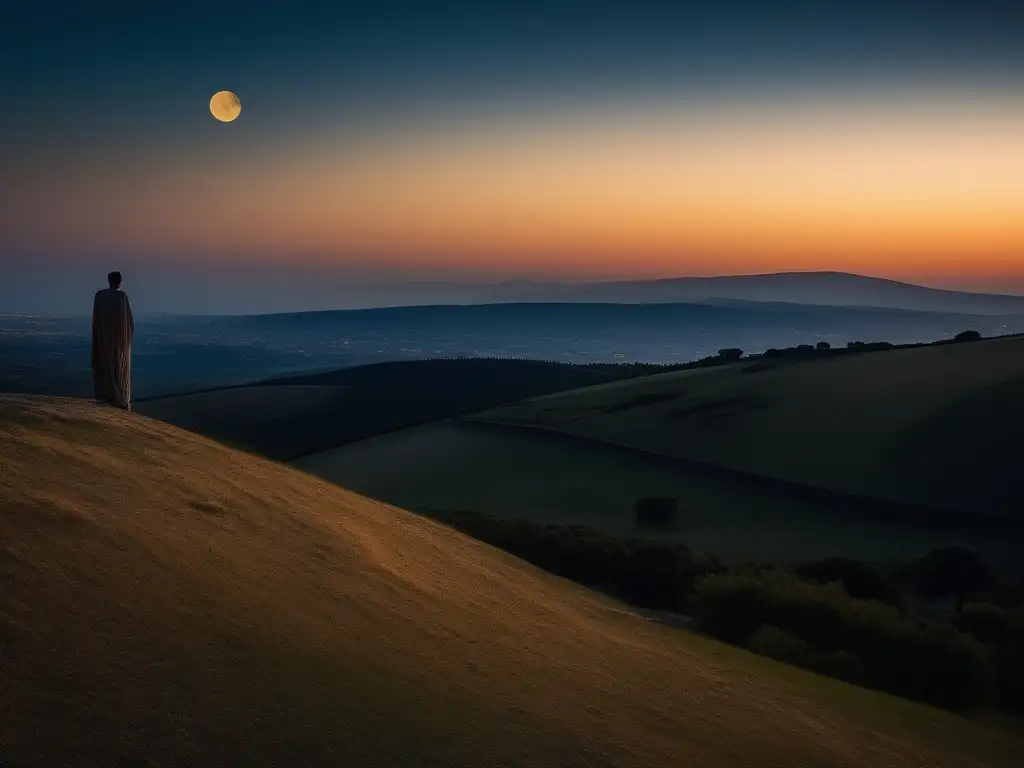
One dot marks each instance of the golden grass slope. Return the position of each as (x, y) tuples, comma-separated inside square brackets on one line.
[(167, 601), (937, 426)]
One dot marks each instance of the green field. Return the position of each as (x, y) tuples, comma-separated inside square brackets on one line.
[(936, 427), (168, 601), (558, 479), (287, 418)]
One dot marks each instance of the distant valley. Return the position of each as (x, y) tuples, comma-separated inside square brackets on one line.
[(183, 353)]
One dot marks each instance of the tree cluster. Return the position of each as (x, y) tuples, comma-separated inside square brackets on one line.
[(837, 616)]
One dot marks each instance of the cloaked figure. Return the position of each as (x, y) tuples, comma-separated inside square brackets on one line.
[(112, 329)]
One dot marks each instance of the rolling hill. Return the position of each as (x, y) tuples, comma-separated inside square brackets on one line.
[(169, 601), (932, 426), (295, 416), (881, 456)]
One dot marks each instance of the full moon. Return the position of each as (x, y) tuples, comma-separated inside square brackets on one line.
[(225, 106)]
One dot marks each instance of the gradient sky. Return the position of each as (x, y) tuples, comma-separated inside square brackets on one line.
[(580, 140)]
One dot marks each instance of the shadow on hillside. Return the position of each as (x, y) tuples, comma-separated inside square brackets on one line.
[(851, 505)]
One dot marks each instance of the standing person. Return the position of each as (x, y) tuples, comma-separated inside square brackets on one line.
[(112, 329)]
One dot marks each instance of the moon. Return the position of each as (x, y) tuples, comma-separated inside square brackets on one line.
[(225, 106)]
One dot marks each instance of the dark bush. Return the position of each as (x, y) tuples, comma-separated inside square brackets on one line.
[(803, 349), (823, 345), (910, 658), (953, 571), (784, 646), (860, 580), (967, 336), (730, 353), (983, 621), (657, 575), (731, 606), (654, 574), (781, 645), (817, 625), (656, 510), (1008, 660), (1007, 595)]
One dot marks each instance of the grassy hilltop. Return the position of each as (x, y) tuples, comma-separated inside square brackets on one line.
[(168, 601), (881, 456)]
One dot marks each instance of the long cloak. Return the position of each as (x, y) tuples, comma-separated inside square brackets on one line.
[(112, 329)]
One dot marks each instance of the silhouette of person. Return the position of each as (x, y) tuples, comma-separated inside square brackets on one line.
[(112, 330)]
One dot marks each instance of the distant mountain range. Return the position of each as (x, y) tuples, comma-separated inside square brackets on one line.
[(158, 294), (816, 288)]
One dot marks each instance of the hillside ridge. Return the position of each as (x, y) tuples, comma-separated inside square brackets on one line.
[(169, 600)]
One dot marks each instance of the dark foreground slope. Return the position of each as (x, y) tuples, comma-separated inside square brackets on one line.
[(168, 601)]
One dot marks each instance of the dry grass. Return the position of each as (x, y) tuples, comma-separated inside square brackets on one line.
[(935, 426), (167, 601)]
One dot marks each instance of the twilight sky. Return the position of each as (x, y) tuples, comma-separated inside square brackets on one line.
[(485, 141)]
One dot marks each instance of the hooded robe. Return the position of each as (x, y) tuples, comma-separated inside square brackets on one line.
[(112, 331)]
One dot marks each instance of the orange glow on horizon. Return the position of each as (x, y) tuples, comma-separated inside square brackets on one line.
[(874, 188)]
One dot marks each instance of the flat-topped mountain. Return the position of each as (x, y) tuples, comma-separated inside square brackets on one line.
[(828, 288)]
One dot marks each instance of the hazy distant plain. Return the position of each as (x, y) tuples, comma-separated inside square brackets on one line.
[(182, 353)]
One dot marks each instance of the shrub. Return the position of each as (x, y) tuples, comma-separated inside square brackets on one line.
[(779, 644), (658, 575), (731, 353), (730, 607), (983, 621), (1008, 660), (860, 580), (653, 574), (967, 336), (1008, 595), (786, 647), (870, 640), (656, 510), (953, 571), (823, 345)]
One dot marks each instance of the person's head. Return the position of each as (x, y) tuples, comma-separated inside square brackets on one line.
[(114, 279)]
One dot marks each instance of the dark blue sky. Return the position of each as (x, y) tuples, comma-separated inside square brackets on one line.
[(71, 69)]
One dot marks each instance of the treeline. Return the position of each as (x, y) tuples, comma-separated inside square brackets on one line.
[(824, 348), (838, 616)]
